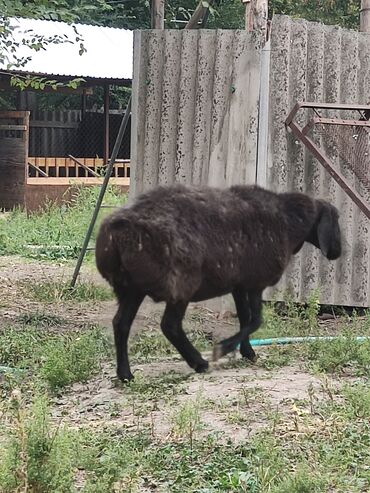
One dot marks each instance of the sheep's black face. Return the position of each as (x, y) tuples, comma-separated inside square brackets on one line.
[(326, 231)]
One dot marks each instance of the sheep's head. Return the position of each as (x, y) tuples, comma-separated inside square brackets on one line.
[(325, 233)]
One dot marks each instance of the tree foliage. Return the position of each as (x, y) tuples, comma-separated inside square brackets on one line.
[(135, 14), (343, 13)]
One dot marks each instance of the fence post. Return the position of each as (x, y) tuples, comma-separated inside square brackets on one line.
[(157, 14), (106, 125), (365, 16), (256, 13)]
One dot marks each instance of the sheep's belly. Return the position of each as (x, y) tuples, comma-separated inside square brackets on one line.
[(208, 292)]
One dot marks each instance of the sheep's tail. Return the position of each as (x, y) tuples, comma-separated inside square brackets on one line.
[(107, 254)]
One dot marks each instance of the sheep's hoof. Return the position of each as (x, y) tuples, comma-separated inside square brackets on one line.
[(251, 357), (254, 358), (125, 378), (201, 367)]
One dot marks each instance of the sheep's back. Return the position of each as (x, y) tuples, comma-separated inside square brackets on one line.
[(175, 243), (215, 235)]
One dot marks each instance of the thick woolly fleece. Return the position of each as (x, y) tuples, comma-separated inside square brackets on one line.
[(187, 244)]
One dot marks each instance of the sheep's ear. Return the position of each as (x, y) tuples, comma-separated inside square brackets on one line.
[(328, 232)]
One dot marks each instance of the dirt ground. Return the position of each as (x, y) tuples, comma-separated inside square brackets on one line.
[(233, 399)]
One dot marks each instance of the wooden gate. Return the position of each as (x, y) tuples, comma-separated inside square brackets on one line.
[(13, 157)]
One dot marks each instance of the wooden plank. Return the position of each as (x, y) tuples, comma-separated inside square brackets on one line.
[(13, 127), (14, 114), (75, 181), (53, 124), (39, 171), (86, 168), (60, 162)]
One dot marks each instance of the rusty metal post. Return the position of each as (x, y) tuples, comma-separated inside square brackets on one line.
[(365, 16), (157, 14), (116, 148), (301, 133)]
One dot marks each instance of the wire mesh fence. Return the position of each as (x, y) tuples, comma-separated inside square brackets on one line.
[(351, 143), (71, 144)]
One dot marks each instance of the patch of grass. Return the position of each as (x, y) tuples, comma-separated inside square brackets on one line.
[(319, 448), (186, 419), (57, 232), (344, 353), (137, 463), (357, 398), (39, 319), (56, 359), (301, 481), (68, 361), (35, 457), (277, 356), (56, 291), (159, 387), (151, 344), (293, 320), (20, 347)]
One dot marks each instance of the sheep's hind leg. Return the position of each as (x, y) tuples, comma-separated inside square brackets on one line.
[(171, 326), (122, 321), (249, 314)]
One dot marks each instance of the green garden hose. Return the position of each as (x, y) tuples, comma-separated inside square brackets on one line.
[(295, 340)]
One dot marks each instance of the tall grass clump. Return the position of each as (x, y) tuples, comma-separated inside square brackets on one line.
[(36, 456), (54, 359), (56, 232)]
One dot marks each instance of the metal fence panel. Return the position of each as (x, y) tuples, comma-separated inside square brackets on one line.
[(195, 108), (318, 63)]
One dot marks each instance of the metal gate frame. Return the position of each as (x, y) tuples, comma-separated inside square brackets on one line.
[(302, 135)]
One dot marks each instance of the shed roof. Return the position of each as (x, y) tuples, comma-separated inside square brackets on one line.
[(109, 50)]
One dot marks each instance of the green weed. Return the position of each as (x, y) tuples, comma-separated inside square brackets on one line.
[(155, 388), (151, 344), (55, 359), (56, 291), (186, 419), (39, 319), (66, 361), (56, 232), (290, 318), (342, 353), (35, 457)]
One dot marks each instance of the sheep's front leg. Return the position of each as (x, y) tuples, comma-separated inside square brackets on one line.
[(122, 321), (171, 326), (255, 310), (249, 314)]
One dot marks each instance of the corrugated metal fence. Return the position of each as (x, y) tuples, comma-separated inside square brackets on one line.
[(313, 62), (196, 97), (195, 107)]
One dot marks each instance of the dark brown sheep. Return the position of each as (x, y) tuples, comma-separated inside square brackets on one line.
[(178, 244)]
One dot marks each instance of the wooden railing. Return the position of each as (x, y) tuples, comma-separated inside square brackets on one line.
[(64, 171)]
